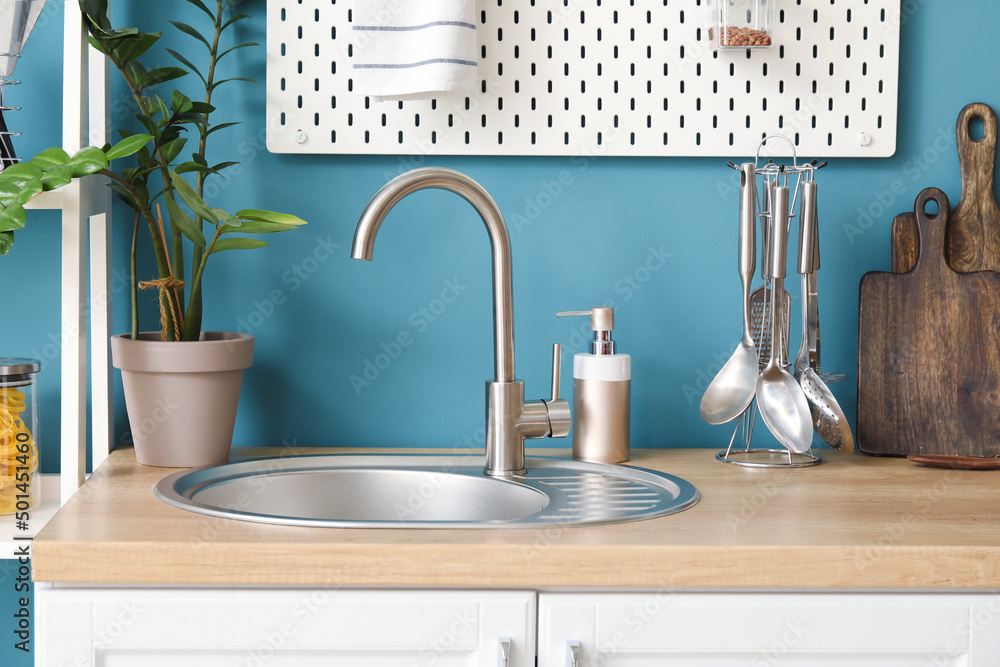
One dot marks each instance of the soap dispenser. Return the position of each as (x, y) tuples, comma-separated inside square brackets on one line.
[(602, 388)]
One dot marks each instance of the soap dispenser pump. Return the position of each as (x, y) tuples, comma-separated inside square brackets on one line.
[(602, 388)]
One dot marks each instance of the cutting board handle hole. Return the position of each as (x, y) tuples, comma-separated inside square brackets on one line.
[(931, 208), (977, 129)]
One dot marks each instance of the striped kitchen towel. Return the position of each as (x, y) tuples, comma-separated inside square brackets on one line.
[(414, 49)]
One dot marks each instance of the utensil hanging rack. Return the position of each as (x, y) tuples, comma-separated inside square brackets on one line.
[(739, 451)]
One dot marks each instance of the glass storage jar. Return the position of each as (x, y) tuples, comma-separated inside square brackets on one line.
[(20, 477), (741, 24)]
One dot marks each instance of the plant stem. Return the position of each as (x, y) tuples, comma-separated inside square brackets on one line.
[(167, 181), (162, 261), (196, 281), (192, 317), (135, 277)]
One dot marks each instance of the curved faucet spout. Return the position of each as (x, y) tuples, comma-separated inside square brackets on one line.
[(475, 194)]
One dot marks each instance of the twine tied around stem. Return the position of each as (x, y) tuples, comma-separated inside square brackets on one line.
[(167, 287)]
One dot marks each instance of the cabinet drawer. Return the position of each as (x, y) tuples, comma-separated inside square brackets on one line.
[(762, 629), (281, 628)]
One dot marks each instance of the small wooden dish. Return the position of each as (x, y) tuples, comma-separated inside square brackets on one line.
[(956, 462)]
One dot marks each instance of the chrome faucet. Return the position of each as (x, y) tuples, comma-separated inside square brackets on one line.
[(509, 420)]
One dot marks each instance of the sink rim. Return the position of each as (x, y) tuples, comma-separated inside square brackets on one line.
[(178, 488)]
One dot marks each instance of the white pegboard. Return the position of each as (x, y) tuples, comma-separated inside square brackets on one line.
[(601, 77)]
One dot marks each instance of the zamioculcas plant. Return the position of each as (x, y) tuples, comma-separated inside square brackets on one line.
[(165, 160)]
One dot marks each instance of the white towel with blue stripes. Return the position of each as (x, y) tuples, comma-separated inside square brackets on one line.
[(414, 49)]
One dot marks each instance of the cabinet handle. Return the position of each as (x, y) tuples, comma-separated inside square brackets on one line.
[(572, 653), (503, 652)]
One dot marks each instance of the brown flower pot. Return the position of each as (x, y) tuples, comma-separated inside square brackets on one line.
[(182, 396)]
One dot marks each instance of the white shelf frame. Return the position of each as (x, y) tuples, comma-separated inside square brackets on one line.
[(81, 202)]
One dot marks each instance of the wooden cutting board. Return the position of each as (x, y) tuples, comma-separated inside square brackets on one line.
[(973, 232), (929, 353)]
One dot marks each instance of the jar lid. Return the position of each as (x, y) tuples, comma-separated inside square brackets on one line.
[(18, 366)]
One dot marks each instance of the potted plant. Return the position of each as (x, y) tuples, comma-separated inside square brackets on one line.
[(182, 383)]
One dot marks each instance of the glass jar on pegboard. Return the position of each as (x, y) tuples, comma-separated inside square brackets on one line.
[(740, 24), (20, 477)]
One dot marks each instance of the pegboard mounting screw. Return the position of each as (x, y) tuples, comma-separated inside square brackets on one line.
[(301, 137), (864, 139)]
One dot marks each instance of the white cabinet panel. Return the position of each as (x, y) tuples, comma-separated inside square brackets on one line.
[(758, 629), (154, 628)]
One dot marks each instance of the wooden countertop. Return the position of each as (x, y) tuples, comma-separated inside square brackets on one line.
[(851, 522)]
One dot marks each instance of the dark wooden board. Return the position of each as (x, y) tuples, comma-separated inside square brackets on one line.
[(929, 353), (973, 232)]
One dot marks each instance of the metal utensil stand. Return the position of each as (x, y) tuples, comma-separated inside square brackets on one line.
[(771, 174)]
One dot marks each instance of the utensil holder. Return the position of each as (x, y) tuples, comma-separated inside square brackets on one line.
[(744, 454)]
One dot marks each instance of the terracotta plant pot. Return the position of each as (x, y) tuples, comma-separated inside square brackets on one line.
[(182, 396)]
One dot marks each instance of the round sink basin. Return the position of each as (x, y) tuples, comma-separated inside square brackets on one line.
[(424, 491), (375, 494)]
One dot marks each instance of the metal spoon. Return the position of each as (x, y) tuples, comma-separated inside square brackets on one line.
[(828, 418), (732, 389), (779, 397)]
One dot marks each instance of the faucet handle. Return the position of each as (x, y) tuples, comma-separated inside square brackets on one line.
[(556, 369), (556, 409)]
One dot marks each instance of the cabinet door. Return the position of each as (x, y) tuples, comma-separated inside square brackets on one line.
[(765, 630), (89, 627)]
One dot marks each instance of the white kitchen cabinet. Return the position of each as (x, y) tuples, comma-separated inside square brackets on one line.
[(127, 627), (769, 629)]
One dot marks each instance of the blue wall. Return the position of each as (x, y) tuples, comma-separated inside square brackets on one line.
[(607, 223)]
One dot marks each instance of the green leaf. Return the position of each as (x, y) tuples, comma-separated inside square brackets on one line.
[(21, 182), (186, 167), (161, 74), (96, 44), (127, 50), (123, 194), (189, 117), (200, 5), (149, 124), (22, 172), (270, 216), (29, 191), (233, 48), (49, 158), (221, 126), (260, 227), (180, 102), (6, 241), (9, 192), (56, 177), (171, 150), (183, 222), (97, 12), (163, 109), (88, 161), (187, 63), (223, 165), (202, 108), (185, 28), (235, 78), (191, 198), (12, 218), (226, 218), (128, 146), (237, 244), (134, 71), (234, 19)]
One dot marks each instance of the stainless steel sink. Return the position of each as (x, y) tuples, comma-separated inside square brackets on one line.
[(424, 491)]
